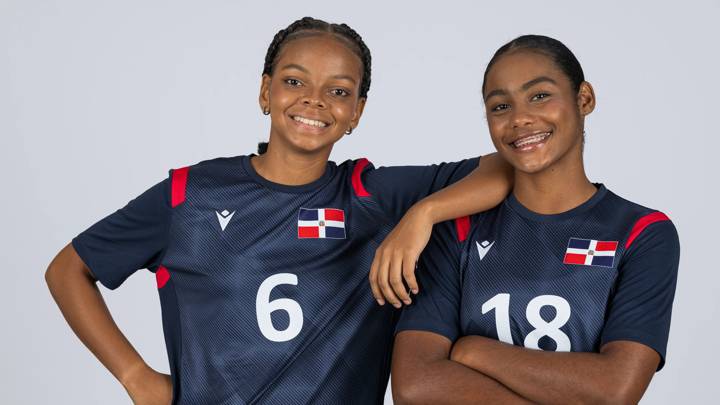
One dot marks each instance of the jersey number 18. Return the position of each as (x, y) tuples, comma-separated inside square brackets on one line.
[(501, 304)]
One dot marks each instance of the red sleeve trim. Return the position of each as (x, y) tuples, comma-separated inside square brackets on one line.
[(162, 276), (643, 223), (178, 185), (462, 226), (359, 188)]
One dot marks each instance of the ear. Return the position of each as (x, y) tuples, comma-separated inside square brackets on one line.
[(358, 112), (264, 97), (586, 99)]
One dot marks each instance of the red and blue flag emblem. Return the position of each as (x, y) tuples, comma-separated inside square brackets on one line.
[(321, 223), (590, 252)]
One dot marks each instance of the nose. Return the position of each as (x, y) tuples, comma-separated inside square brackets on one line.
[(521, 117), (314, 99)]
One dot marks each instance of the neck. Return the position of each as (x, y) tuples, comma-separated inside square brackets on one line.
[(290, 169), (559, 188)]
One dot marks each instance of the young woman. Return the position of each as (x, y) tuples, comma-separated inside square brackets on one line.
[(261, 261), (563, 265)]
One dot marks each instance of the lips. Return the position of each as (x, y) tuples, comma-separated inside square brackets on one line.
[(309, 121), (528, 141)]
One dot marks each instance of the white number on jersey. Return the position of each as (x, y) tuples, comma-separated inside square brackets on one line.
[(265, 308), (501, 304)]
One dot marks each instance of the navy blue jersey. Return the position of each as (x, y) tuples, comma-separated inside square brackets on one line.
[(603, 271), (263, 286)]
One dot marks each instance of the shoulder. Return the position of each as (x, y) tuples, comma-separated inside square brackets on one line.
[(212, 170), (639, 222)]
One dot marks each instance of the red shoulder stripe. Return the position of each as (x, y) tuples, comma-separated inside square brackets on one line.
[(643, 223), (462, 226), (178, 185), (162, 276), (360, 190)]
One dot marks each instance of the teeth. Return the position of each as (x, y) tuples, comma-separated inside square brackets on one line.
[(530, 140), (307, 121)]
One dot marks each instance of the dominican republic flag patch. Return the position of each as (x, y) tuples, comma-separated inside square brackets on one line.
[(321, 223), (590, 252)]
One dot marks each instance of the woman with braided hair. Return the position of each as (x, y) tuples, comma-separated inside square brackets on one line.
[(262, 260), (563, 293)]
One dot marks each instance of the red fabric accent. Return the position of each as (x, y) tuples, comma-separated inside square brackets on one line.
[(308, 232), (357, 180), (162, 276), (334, 215), (643, 223), (574, 258), (606, 246), (178, 185), (462, 226)]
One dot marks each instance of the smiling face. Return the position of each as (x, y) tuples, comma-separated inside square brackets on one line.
[(535, 117), (313, 94)]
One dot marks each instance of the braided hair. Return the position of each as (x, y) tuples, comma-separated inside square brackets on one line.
[(309, 26), (550, 47)]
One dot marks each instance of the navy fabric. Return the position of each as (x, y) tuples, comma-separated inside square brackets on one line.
[(131, 238), (514, 258), (211, 306)]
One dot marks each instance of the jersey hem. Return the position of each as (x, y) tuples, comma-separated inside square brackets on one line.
[(424, 328)]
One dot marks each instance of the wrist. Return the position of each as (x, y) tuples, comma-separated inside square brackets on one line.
[(425, 209), (134, 375)]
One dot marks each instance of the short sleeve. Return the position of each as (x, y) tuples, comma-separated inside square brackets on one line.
[(641, 305), (437, 306), (397, 188), (132, 238)]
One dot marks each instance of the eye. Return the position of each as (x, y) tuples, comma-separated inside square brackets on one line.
[(293, 82), (540, 96), (500, 107), (339, 92)]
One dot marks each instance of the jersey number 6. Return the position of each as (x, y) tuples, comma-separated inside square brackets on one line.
[(265, 308), (501, 304)]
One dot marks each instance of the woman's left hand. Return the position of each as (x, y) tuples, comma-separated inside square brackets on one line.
[(397, 257)]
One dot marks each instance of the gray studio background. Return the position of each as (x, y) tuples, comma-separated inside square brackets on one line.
[(98, 99)]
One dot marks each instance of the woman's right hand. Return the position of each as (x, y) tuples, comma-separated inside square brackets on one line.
[(149, 387)]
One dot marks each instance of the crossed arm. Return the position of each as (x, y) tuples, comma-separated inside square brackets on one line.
[(426, 369)]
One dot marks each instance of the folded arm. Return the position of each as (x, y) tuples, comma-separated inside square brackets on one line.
[(422, 373), (618, 374)]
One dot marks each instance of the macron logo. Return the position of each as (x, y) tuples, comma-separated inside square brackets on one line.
[(483, 247), (224, 218)]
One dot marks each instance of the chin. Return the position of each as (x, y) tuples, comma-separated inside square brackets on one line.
[(530, 165)]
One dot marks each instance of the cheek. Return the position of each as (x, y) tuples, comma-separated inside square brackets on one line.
[(343, 110), (496, 126)]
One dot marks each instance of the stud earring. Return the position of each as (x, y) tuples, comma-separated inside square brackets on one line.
[(266, 111), (349, 131)]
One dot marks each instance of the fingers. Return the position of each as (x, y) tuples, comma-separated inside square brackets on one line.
[(396, 279), (408, 270), (383, 278), (373, 277)]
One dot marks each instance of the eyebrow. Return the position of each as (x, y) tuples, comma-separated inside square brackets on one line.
[(541, 79), (294, 66), (304, 70)]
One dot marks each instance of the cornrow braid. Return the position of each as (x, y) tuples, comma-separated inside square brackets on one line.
[(310, 26)]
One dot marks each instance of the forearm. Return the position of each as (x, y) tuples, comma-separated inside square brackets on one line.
[(82, 305), (422, 373), (482, 189), (553, 377), (448, 382)]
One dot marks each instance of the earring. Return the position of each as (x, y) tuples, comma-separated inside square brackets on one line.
[(266, 111), (349, 131)]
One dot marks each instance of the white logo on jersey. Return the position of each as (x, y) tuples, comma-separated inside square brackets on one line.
[(224, 218), (483, 247)]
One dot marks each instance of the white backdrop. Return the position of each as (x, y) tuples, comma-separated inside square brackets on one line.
[(99, 98)]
